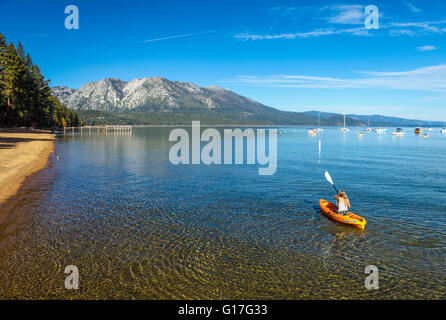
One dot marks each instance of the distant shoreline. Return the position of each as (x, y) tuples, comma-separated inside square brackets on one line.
[(22, 153)]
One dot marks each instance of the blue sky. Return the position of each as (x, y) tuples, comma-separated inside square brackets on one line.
[(292, 55)]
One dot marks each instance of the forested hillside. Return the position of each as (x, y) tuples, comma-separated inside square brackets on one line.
[(25, 96)]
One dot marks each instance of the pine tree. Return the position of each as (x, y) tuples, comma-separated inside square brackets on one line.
[(2, 79), (25, 95)]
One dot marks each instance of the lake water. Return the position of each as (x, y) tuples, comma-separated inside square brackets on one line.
[(137, 226)]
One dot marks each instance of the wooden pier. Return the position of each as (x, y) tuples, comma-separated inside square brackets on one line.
[(101, 129)]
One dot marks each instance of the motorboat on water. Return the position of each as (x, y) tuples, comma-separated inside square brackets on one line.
[(418, 130), (398, 132), (380, 130), (312, 132)]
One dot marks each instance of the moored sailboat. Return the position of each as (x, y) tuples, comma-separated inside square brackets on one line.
[(368, 129), (319, 129), (345, 129)]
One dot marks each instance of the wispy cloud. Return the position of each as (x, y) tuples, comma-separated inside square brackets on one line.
[(345, 14), (179, 36), (309, 34), (287, 11), (431, 79), (427, 48), (402, 32), (416, 28), (337, 14), (427, 26), (394, 29), (412, 7)]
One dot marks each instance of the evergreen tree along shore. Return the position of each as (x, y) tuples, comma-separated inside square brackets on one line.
[(25, 95)]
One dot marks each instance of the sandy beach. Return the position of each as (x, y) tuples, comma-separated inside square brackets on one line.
[(22, 152)]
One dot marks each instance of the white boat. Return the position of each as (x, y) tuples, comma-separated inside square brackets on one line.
[(398, 132), (443, 131), (344, 129), (319, 129), (368, 129), (380, 130)]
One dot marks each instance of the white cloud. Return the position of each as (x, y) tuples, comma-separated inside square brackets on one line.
[(426, 48), (402, 32), (428, 26), (416, 28), (286, 11), (345, 14), (338, 14), (299, 35), (430, 79), (394, 29), (412, 7)]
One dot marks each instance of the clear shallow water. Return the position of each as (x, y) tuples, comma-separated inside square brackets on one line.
[(139, 227)]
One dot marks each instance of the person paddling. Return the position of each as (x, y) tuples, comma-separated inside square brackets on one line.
[(342, 202)]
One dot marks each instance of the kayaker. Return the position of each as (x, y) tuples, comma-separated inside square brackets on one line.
[(342, 202)]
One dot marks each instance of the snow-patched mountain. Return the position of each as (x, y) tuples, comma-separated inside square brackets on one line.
[(62, 92), (150, 94), (160, 96)]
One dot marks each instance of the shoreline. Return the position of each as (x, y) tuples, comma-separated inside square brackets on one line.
[(22, 153)]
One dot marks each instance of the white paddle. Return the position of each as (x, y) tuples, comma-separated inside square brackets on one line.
[(329, 179)]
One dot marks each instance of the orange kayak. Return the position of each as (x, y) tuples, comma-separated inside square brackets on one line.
[(330, 210)]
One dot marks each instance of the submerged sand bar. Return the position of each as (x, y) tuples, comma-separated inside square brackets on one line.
[(22, 152)]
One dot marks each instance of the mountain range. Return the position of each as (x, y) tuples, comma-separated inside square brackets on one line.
[(379, 120), (157, 100)]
